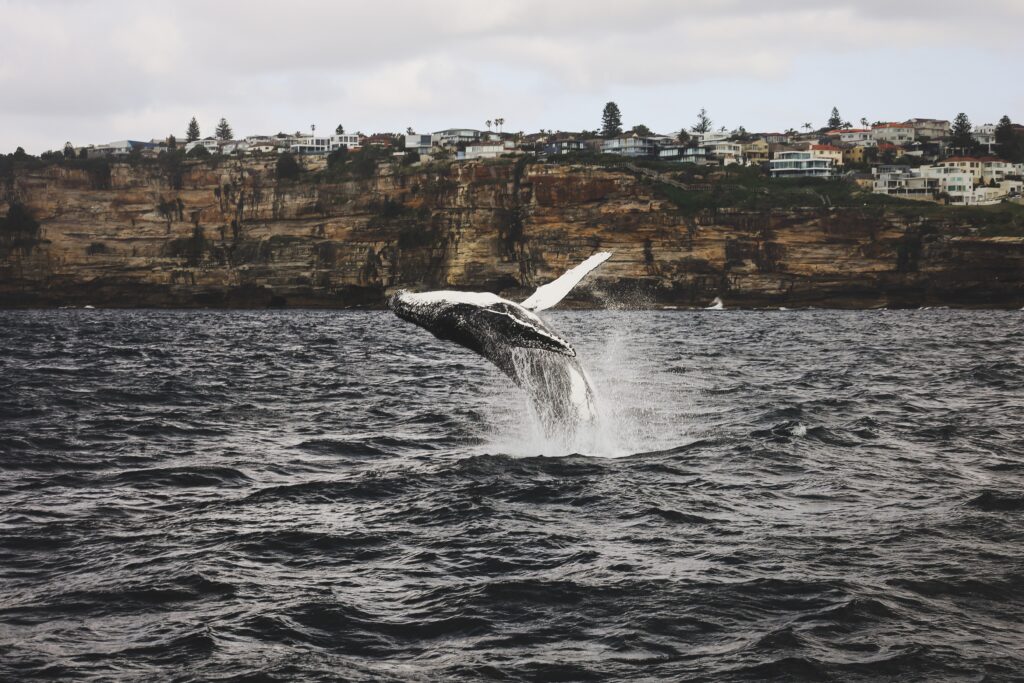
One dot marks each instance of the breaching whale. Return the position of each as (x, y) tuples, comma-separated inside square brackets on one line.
[(516, 340)]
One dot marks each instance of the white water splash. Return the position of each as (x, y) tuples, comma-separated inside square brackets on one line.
[(640, 407)]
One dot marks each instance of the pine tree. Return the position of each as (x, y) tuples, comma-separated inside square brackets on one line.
[(611, 120), (1004, 131), (340, 130), (835, 121), (224, 130), (172, 143), (192, 134), (1009, 143), (703, 124), (962, 138)]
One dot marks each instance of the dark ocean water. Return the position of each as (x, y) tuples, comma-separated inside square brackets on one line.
[(287, 496)]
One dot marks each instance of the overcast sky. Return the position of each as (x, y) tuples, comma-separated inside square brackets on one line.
[(93, 71)]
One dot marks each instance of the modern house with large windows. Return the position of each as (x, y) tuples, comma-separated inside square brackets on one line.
[(801, 164), (630, 146), (309, 144)]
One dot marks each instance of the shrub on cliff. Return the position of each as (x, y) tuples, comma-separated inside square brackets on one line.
[(198, 152), (287, 167), (19, 220)]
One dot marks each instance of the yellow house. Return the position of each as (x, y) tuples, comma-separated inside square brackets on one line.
[(857, 154), (827, 152), (756, 151)]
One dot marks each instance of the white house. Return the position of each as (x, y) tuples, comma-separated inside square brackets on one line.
[(985, 135), (710, 136), (934, 129), (902, 181), (726, 152), (451, 137), (998, 170), (956, 181), (487, 150), (684, 154), (118, 148), (418, 143), (212, 145), (801, 164), (856, 136), (630, 146), (894, 133), (309, 144)]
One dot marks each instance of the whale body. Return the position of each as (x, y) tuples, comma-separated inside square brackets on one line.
[(513, 337)]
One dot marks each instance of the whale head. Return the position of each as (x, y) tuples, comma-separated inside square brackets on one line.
[(476, 320)]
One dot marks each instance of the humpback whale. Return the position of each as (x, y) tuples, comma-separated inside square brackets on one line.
[(513, 337)]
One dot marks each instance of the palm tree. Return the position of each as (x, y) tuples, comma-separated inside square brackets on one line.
[(488, 122), (499, 122), (863, 122), (808, 126)]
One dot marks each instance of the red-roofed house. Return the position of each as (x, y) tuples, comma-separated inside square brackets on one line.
[(827, 152), (984, 169)]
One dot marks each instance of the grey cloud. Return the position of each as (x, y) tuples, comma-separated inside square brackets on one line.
[(103, 60)]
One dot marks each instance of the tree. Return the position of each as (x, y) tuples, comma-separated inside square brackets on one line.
[(19, 154), (337, 157), (340, 130), (172, 143), (683, 137), (808, 126), (641, 130), (611, 120), (69, 150), (499, 122), (1004, 131), (1009, 143), (198, 152), (740, 134), (863, 122), (488, 122), (962, 138), (287, 167), (703, 124), (192, 134), (835, 121), (408, 131), (224, 130)]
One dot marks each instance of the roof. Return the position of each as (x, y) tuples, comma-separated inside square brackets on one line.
[(892, 125), (962, 158), (851, 130), (825, 148)]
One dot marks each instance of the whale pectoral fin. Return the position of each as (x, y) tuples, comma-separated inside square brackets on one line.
[(550, 294), (516, 332)]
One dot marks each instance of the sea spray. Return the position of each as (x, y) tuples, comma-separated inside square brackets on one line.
[(636, 403)]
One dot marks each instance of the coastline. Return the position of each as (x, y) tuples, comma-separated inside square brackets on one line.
[(229, 234)]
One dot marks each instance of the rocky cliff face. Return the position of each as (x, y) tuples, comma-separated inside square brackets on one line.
[(231, 234)]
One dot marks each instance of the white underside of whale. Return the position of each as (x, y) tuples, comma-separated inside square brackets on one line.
[(513, 337)]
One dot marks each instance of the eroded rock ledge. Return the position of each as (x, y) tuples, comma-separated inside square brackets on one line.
[(229, 233)]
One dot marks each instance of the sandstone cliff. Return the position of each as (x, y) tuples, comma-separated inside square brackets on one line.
[(229, 233)]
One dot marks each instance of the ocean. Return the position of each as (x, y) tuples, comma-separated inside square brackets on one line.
[(337, 495)]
